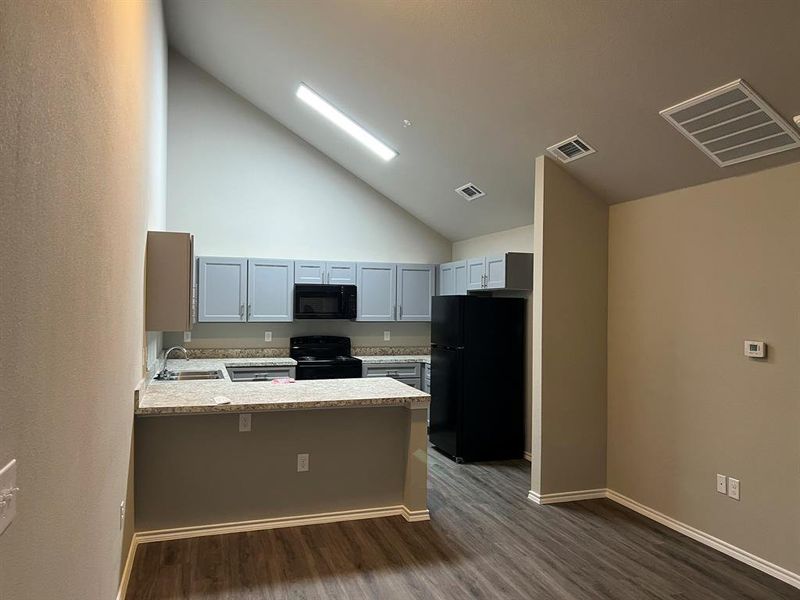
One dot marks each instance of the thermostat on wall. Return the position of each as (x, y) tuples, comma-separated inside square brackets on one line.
[(755, 349)]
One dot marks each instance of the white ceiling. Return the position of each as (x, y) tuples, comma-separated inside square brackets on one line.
[(489, 85)]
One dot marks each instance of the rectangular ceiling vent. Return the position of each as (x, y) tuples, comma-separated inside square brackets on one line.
[(732, 124), (469, 192), (570, 149)]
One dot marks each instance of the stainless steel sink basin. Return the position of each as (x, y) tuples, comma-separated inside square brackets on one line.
[(191, 375)]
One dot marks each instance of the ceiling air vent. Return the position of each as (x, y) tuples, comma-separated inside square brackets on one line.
[(732, 124), (570, 149), (469, 192)]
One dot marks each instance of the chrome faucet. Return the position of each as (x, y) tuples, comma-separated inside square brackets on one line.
[(163, 373)]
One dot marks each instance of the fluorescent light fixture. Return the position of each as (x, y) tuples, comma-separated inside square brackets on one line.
[(335, 116)]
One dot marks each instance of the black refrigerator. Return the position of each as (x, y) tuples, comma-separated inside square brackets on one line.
[(478, 377)]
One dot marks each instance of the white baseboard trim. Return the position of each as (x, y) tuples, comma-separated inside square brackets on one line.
[(413, 516), (566, 496), (160, 535), (527, 456), (759, 563), (126, 570), (177, 533), (744, 556)]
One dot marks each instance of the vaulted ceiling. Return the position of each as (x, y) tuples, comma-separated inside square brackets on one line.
[(489, 85)]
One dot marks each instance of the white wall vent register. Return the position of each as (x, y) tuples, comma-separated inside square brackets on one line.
[(469, 192), (732, 124), (571, 149)]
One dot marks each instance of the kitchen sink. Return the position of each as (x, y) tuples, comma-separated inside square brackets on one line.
[(191, 375)]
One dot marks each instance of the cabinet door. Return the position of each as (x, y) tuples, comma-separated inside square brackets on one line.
[(460, 278), (376, 291), (414, 291), (309, 271), (447, 279), (270, 290), (476, 269), (496, 272), (222, 289), (340, 273)]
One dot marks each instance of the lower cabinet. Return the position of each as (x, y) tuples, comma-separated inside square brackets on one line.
[(408, 373), (256, 373)]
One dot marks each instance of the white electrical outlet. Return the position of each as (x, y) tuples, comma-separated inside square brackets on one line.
[(387, 335), (121, 514), (187, 336), (733, 488), (267, 336), (245, 421), (8, 495), (302, 463), (722, 484)]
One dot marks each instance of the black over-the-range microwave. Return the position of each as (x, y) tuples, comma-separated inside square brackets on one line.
[(324, 301)]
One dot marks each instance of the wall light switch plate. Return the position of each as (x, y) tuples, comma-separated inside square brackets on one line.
[(733, 488), (245, 421), (722, 484), (8, 495), (267, 336), (387, 335), (187, 336), (302, 463)]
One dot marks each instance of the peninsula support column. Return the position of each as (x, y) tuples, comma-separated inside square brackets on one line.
[(415, 491)]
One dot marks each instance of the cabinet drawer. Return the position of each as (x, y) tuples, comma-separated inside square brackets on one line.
[(396, 370), (255, 373), (410, 381)]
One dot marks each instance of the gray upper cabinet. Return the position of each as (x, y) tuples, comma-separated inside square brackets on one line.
[(309, 271), (453, 278), (414, 291), (340, 273), (376, 291), (495, 272), (329, 272), (446, 279), (222, 289), (460, 269), (476, 269), (509, 271), (270, 290)]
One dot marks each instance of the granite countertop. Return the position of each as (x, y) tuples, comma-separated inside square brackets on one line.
[(400, 358), (202, 397), (209, 364)]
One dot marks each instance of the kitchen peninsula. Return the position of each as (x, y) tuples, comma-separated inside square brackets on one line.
[(199, 468)]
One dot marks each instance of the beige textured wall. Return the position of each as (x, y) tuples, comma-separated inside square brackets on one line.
[(692, 274), (357, 460), (569, 350), (78, 120), (519, 239)]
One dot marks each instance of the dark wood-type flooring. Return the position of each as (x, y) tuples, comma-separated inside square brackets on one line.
[(485, 540)]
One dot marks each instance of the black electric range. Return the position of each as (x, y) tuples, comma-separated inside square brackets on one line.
[(323, 357)]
